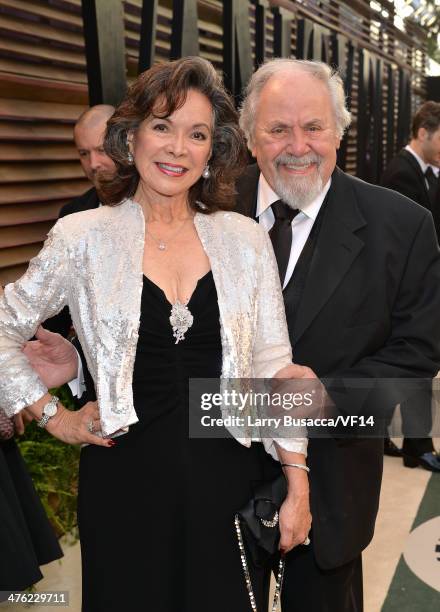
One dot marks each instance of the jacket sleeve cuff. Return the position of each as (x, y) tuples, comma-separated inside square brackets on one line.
[(294, 445)]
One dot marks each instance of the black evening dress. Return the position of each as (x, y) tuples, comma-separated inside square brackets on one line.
[(156, 511), (27, 539)]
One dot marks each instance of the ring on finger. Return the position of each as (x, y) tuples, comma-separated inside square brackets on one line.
[(90, 427), (306, 541)]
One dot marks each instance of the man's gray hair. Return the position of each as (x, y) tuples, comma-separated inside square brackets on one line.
[(319, 70)]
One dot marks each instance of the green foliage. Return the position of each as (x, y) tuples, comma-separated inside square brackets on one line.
[(53, 467), (433, 49), (432, 30)]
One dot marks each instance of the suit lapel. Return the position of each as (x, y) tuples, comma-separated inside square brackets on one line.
[(87, 201), (436, 211), (337, 246), (336, 249), (92, 199), (411, 160)]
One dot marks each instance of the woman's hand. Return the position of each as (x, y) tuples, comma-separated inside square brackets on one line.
[(53, 358), (295, 520), (73, 427), (21, 419)]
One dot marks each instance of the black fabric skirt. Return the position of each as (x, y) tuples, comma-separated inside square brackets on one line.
[(27, 539)]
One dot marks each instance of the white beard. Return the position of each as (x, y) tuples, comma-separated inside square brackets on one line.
[(298, 191)]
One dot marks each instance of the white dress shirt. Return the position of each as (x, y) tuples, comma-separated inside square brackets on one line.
[(78, 385), (301, 225)]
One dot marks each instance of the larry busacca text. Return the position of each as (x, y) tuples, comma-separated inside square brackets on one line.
[(289, 408), (287, 421), (288, 413)]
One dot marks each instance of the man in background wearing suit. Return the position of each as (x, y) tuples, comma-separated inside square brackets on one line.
[(414, 172), (88, 134), (360, 269)]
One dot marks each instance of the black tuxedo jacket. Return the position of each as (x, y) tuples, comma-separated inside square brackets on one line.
[(404, 174), (62, 322), (436, 212), (369, 309), (86, 201)]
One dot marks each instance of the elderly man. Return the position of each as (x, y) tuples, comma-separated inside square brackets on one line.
[(360, 270), (88, 134)]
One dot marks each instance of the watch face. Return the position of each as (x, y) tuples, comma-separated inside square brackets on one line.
[(51, 410)]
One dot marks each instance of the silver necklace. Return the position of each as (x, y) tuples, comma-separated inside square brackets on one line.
[(161, 245)]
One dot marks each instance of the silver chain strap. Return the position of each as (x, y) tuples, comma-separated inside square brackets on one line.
[(247, 576)]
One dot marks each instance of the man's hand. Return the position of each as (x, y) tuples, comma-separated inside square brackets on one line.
[(295, 370), (52, 357), (297, 379)]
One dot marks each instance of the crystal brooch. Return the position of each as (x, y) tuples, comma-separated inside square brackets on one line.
[(181, 320)]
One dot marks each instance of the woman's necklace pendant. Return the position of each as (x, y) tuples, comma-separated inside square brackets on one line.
[(161, 245), (181, 320)]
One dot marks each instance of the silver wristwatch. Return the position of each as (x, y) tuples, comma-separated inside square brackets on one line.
[(49, 410)]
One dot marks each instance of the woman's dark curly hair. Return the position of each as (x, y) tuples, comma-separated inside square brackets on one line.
[(168, 84)]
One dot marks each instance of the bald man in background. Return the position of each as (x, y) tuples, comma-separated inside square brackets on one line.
[(88, 134)]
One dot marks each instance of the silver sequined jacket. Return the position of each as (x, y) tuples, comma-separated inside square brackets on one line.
[(92, 262)]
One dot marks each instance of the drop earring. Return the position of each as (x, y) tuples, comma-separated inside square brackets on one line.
[(130, 158), (206, 172)]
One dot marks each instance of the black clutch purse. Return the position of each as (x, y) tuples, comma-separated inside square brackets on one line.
[(258, 532)]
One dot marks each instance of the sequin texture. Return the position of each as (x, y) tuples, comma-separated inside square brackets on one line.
[(92, 261)]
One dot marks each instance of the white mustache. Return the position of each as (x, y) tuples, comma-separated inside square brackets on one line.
[(305, 160)]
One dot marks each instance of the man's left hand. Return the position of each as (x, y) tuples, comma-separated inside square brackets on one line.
[(294, 370), (52, 357)]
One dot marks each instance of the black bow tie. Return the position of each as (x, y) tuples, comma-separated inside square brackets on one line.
[(281, 234)]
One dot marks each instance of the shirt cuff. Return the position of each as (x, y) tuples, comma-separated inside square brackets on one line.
[(77, 385)]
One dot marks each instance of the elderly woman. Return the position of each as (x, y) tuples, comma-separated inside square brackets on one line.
[(163, 284)]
